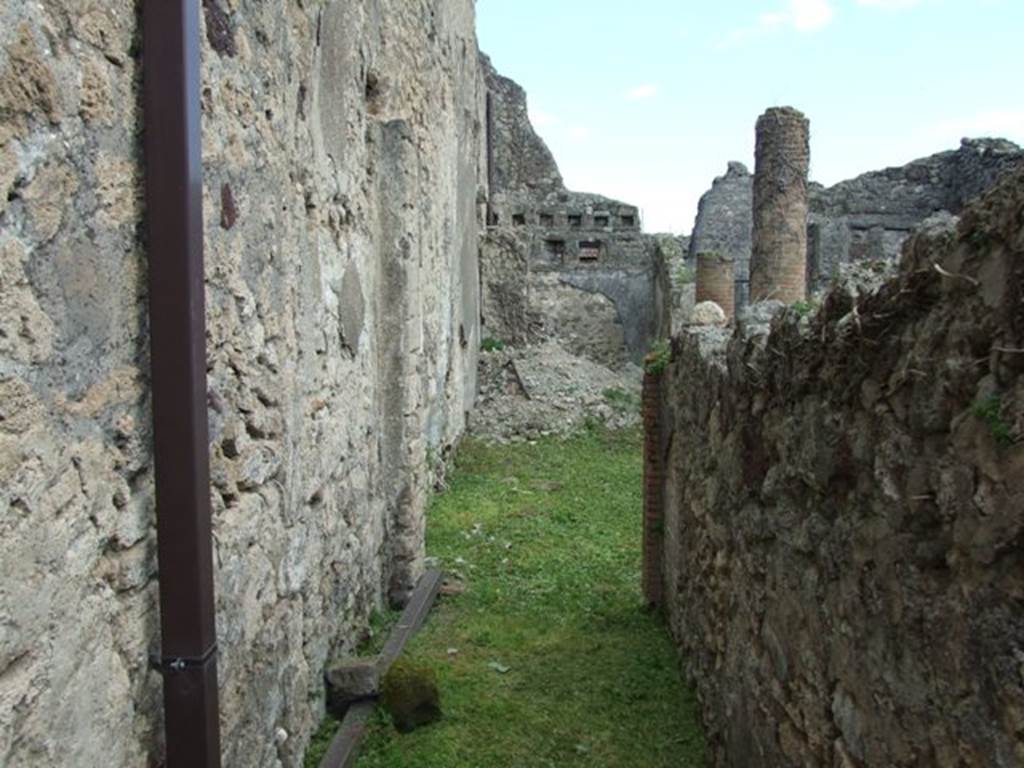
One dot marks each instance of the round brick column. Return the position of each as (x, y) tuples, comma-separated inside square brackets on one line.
[(716, 281), (778, 262)]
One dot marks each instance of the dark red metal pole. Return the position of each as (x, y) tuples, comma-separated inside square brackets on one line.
[(174, 218)]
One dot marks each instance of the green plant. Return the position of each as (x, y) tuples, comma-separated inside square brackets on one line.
[(491, 344), (989, 410), (658, 358), (804, 308), (620, 400), (549, 657), (686, 275)]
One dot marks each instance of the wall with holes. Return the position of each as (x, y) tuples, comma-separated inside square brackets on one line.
[(343, 148), (557, 264)]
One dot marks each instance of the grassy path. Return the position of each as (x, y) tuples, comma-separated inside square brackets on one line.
[(547, 659)]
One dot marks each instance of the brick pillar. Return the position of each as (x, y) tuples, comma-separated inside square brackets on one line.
[(716, 282), (654, 491), (778, 262)]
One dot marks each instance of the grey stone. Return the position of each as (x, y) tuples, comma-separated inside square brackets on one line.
[(323, 278), (539, 231), (867, 218), (349, 681), (352, 309), (708, 313)]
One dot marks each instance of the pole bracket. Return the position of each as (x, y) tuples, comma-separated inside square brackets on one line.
[(169, 664)]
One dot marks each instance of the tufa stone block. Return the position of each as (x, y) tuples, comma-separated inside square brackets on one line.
[(349, 681)]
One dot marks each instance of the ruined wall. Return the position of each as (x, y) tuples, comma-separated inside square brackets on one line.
[(571, 266), (343, 147), (863, 219), (724, 223), (869, 217), (844, 571)]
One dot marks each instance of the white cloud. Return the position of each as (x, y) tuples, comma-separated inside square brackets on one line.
[(645, 91), (801, 15), (889, 5), (809, 15)]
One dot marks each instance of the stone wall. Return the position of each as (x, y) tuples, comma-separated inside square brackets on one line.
[(844, 572), (869, 217), (859, 220), (343, 147), (557, 264), (724, 224)]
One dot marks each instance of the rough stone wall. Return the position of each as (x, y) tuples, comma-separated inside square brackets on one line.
[(716, 282), (571, 266), (869, 217), (778, 258), (725, 220), (343, 147), (844, 570), (520, 160), (865, 219)]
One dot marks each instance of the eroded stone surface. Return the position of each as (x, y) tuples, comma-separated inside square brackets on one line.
[(350, 138), (843, 518)]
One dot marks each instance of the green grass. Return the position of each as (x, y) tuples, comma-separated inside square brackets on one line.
[(622, 401), (548, 658)]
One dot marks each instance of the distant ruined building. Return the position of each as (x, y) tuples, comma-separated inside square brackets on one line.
[(561, 264), (861, 220)]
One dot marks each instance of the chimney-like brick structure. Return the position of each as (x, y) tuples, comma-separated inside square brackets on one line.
[(778, 262), (654, 491), (716, 281)]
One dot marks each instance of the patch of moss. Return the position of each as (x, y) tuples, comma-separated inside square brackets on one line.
[(989, 410), (490, 344), (409, 693)]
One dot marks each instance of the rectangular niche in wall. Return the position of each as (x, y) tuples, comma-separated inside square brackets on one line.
[(575, 220), (601, 220), (628, 221), (519, 219), (590, 250), (555, 247), (547, 220)]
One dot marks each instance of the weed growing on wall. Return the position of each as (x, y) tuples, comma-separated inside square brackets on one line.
[(989, 410), (490, 344), (658, 358)]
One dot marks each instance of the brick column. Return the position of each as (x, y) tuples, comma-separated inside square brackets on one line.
[(778, 262), (654, 491), (716, 281)]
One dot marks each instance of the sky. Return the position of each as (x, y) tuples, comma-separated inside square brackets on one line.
[(647, 101)]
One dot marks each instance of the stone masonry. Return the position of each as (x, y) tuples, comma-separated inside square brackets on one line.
[(344, 147), (843, 564), (570, 266), (725, 219), (716, 282), (864, 220), (778, 261)]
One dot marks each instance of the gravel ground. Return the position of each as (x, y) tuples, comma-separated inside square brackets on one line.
[(541, 390)]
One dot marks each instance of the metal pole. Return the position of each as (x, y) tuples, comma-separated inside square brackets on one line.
[(173, 155)]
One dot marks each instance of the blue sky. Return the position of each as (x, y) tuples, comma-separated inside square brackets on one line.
[(648, 100)]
